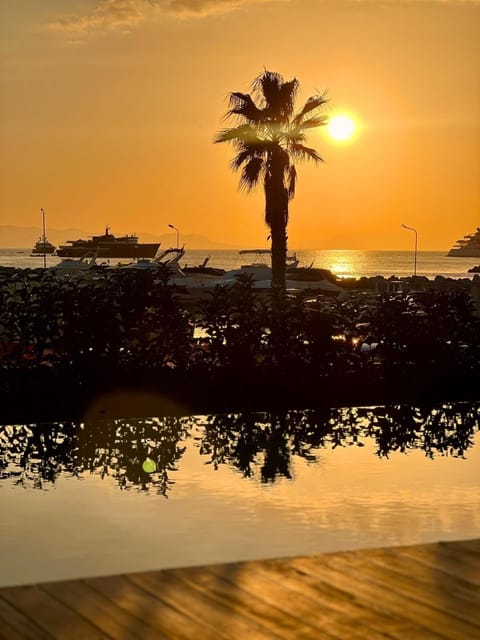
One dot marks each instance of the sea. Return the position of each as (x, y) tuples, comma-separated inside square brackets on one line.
[(344, 263)]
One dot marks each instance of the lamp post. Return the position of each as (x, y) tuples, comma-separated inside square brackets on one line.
[(173, 227), (416, 246), (44, 239)]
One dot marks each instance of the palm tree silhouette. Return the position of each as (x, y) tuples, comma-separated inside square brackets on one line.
[(269, 138)]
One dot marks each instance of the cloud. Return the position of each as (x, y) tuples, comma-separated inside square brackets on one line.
[(124, 15), (203, 7), (107, 15)]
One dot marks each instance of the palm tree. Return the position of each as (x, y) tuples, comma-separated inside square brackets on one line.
[(267, 141)]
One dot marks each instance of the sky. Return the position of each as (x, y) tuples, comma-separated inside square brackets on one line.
[(109, 108)]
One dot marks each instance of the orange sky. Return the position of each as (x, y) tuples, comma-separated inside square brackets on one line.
[(109, 107)]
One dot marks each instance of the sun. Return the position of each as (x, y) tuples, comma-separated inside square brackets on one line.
[(341, 127)]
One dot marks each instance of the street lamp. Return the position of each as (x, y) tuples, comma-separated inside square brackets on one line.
[(173, 227), (416, 246)]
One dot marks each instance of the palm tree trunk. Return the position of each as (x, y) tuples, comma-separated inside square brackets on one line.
[(276, 216), (279, 253)]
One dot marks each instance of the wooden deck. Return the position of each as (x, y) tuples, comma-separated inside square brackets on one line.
[(409, 593)]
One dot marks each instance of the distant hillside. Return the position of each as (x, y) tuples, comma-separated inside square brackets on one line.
[(25, 237)]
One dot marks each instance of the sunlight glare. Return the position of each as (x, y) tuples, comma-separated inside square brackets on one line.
[(341, 127)]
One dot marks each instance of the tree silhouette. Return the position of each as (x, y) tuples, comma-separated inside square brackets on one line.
[(269, 138)]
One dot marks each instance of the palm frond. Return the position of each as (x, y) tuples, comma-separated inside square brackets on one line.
[(314, 102), (242, 156), (288, 93), (242, 104), (277, 95), (312, 123), (251, 173), (243, 133), (267, 86), (302, 152), (295, 136)]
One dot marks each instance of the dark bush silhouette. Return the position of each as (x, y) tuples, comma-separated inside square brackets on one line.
[(62, 343)]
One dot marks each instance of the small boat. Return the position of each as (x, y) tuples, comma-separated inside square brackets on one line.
[(168, 258), (203, 269), (291, 261), (467, 247), (73, 266), (42, 247), (314, 280), (474, 269)]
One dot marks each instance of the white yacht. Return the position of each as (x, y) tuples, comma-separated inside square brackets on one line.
[(320, 281)]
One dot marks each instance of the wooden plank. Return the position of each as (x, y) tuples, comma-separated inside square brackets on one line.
[(50, 615), (445, 560), (375, 594), (222, 586), (14, 625), (343, 607), (273, 621), (437, 595), (426, 575), (305, 605), (101, 611), (218, 620), (471, 545), (136, 601), (425, 592)]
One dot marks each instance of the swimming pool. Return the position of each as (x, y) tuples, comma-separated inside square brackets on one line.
[(116, 496)]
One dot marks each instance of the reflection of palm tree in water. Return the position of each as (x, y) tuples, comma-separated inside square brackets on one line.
[(264, 444), (269, 442)]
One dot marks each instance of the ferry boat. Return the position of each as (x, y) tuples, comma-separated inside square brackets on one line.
[(109, 246), (467, 247)]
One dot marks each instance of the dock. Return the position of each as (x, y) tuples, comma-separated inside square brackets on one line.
[(427, 591)]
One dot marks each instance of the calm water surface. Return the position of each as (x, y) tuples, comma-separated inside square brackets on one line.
[(76, 500), (344, 263)]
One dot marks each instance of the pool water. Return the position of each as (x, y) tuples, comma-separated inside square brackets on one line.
[(76, 501)]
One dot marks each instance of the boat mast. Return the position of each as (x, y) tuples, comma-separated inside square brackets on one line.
[(44, 239)]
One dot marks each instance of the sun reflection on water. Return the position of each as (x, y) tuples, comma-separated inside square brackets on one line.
[(342, 269)]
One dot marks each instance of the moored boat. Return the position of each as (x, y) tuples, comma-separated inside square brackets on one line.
[(203, 269), (42, 247), (320, 281), (69, 266), (168, 258), (291, 260)]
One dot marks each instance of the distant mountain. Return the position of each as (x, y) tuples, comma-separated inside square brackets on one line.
[(25, 237)]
